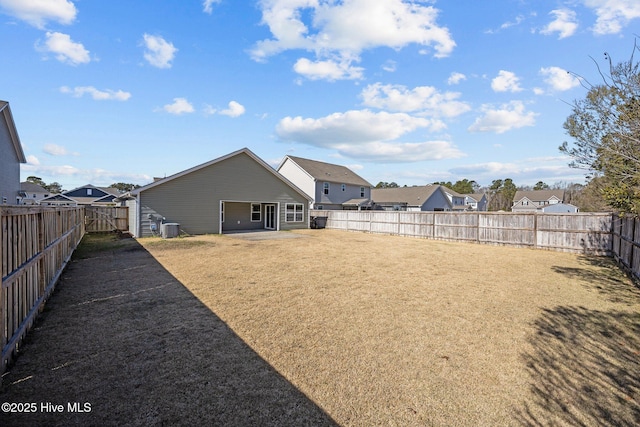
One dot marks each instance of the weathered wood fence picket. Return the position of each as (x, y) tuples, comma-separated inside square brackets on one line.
[(35, 245), (100, 219), (583, 232)]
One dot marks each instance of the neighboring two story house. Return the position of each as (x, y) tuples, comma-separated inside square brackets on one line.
[(11, 155), (476, 202), (330, 186), (536, 200), (32, 194), (431, 197)]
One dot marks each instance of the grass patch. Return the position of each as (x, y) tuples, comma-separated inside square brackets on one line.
[(385, 330)]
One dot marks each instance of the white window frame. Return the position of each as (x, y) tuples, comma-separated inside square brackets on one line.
[(343, 187), (259, 212), (325, 188), (294, 212), (361, 191)]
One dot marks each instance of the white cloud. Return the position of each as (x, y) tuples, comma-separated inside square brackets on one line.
[(235, 109), (55, 150), (559, 79), (65, 49), (327, 70), (613, 15), (159, 52), (565, 23), (426, 100), (179, 106), (33, 160), (207, 5), (506, 81), (523, 171), (456, 78), (356, 126), (389, 66), (400, 152), (96, 176), (366, 135), (38, 12), (507, 117), (345, 29), (98, 95)]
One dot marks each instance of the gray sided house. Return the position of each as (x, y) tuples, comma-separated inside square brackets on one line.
[(235, 192), (419, 198), (11, 155), (329, 186)]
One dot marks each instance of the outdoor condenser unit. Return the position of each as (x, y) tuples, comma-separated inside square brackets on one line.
[(169, 230)]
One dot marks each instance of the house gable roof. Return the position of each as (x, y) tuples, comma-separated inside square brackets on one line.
[(218, 160), (322, 171), (412, 196), (30, 187), (5, 111), (475, 196)]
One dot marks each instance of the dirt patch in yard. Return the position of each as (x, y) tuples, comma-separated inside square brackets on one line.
[(334, 327)]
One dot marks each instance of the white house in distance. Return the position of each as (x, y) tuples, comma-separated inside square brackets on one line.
[(11, 155), (433, 197), (330, 186)]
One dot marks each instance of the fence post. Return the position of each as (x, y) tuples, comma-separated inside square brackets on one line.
[(535, 230), (3, 310)]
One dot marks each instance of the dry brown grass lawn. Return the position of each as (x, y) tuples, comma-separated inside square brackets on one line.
[(383, 330)]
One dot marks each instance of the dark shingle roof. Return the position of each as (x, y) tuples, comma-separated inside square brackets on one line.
[(412, 196), (322, 171)]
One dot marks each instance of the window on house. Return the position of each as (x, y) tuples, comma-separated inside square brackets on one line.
[(325, 188), (89, 191), (294, 212), (256, 211), (344, 187), (361, 191)]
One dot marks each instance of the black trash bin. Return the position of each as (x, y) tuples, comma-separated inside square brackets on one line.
[(318, 221)]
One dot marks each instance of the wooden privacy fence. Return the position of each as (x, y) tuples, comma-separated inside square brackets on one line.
[(106, 218), (626, 244), (582, 232), (35, 245)]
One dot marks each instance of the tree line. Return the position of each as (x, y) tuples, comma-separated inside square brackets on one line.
[(56, 187)]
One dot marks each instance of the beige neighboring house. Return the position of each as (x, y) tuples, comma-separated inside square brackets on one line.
[(11, 155), (536, 200), (330, 186), (32, 194), (432, 197)]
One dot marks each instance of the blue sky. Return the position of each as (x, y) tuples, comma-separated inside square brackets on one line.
[(406, 91)]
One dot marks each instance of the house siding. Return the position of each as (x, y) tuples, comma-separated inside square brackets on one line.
[(296, 174), (9, 168), (193, 200), (437, 200), (336, 196)]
